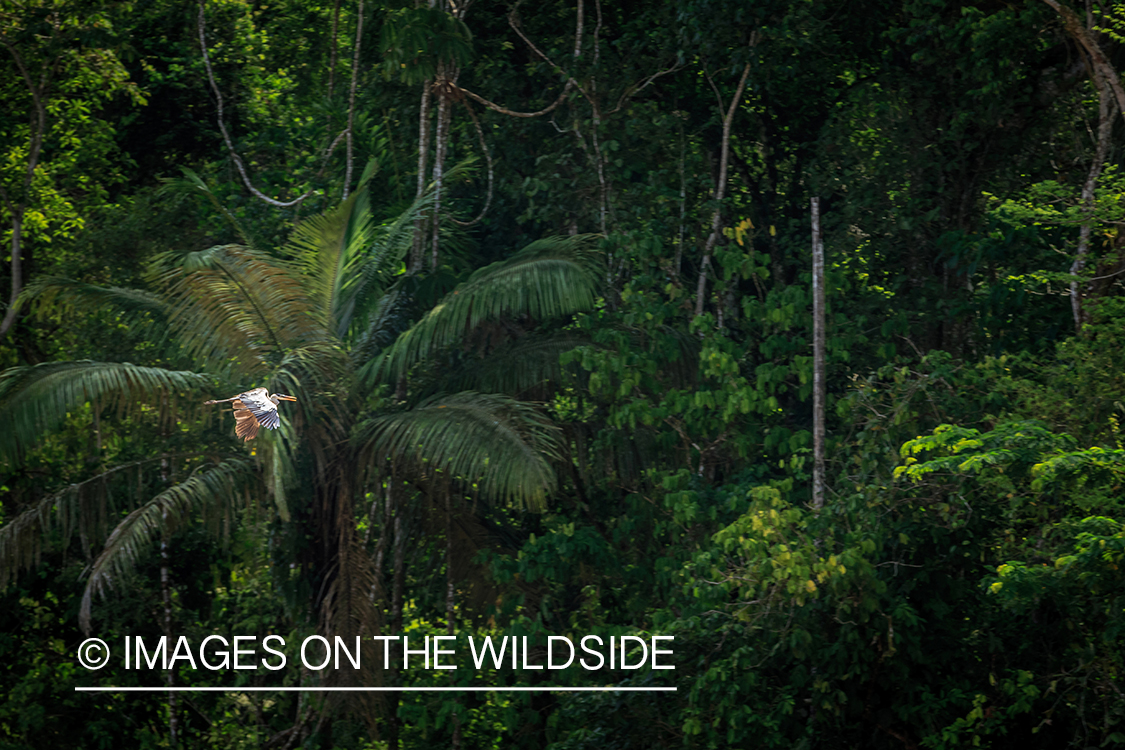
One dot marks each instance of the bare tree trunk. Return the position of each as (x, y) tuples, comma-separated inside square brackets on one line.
[(418, 248), (169, 675), (818, 357), (16, 269), (351, 101), (17, 204), (451, 601), (720, 192), (1101, 150), (394, 496), (445, 81), (595, 135), (1109, 96)]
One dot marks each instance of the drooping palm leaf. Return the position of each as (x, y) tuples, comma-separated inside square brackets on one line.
[(349, 260), (528, 367), (547, 279), (231, 303), (389, 318), (333, 248), (145, 313), (86, 508), (390, 243), (214, 492), (503, 444), (36, 399), (192, 184), (68, 296)]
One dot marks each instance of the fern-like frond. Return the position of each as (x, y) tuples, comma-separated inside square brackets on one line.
[(549, 278), (217, 490), (87, 509), (75, 297), (504, 445), (233, 303), (192, 184), (36, 399), (528, 367), (391, 241), (331, 250)]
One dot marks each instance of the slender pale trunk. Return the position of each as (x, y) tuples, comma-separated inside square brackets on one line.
[(351, 101), (451, 602), (445, 79), (398, 584), (818, 356), (17, 204), (418, 248), (16, 270), (1110, 94), (1089, 188), (169, 674), (595, 131), (720, 192)]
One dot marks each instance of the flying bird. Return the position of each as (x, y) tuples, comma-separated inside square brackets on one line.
[(254, 409)]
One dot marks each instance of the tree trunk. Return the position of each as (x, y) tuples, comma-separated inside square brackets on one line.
[(720, 192), (451, 603), (16, 269), (351, 101), (445, 82), (1089, 188), (818, 357), (418, 249), (169, 675), (394, 496)]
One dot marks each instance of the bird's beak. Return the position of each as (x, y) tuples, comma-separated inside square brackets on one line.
[(286, 398)]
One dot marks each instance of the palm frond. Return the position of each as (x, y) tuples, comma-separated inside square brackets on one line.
[(145, 313), (70, 296), (331, 249), (504, 445), (528, 367), (281, 471), (36, 399), (391, 241), (319, 376), (549, 278), (192, 184), (212, 492), (390, 316), (233, 303), (349, 260)]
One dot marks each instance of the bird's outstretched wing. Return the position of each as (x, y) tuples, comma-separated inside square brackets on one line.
[(258, 403), (253, 410), (245, 423)]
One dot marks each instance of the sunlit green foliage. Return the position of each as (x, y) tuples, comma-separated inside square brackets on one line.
[(541, 436)]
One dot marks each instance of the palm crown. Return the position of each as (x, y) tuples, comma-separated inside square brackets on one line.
[(311, 323)]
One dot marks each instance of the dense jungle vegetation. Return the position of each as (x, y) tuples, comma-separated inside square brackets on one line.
[(540, 277)]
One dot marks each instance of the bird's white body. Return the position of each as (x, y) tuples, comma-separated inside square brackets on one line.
[(254, 409)]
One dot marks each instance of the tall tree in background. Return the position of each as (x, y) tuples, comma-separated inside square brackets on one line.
[(60, 65), (307, 325)]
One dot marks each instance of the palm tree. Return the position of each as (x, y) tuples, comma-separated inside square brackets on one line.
[(313, 321)]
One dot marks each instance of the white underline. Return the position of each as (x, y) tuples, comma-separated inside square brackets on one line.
[(499, 689)]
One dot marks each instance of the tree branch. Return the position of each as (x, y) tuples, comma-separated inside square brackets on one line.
[(351, 100), (226, 135), (720, 191), (488, 163)]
